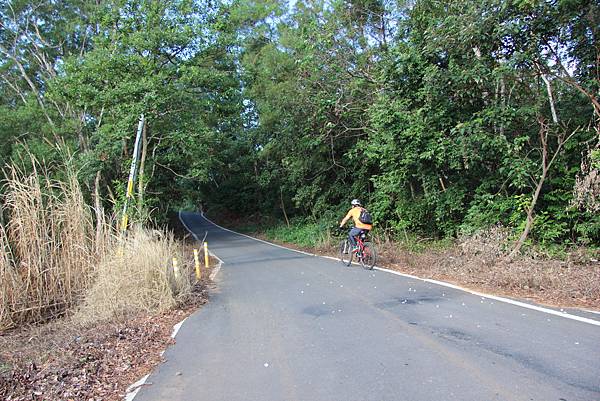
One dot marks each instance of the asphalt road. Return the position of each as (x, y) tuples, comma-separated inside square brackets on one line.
[(282, 325)]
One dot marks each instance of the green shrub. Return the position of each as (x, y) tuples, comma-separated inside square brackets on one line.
[(300, 232), (487, 210)]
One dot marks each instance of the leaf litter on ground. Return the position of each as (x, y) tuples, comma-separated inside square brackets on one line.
[(64, 361)]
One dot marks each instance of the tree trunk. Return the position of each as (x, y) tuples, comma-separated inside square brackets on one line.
[(538, 189), (550, 98), (283, 207), (545, 168), (442, 184), (502, 102), (83, 146), (529, 222)]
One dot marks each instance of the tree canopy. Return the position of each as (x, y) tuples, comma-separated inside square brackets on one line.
[(443, 116)]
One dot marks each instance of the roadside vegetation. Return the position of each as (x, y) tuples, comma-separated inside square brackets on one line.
[(57, 259), (78, 301), (49, 246)]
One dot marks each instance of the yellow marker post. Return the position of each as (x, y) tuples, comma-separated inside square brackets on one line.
[(206, 255), (197, 263), (124, 222), (176, 268)]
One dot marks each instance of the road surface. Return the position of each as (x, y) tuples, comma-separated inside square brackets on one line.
[(282, 325)]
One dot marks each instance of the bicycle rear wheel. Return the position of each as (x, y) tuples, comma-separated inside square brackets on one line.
[(369, 256), (346, 252)]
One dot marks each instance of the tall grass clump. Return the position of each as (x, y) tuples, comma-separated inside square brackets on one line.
[(56, 257), (49, 246), (139, 276)]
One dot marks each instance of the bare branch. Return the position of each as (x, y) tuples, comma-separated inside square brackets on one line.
[(171, 170), (15, 88)]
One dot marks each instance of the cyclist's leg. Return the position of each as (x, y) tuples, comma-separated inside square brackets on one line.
[(352, 235)]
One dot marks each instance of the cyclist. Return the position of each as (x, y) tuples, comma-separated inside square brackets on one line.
[(359, 226)]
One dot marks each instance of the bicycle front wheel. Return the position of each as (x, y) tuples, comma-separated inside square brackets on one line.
[(369, 256), (346, 252)]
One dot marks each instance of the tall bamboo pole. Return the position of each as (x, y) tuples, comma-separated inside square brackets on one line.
[(132, 174), (141, 174)]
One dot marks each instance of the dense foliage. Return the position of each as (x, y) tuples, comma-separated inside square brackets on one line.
[(444, 116)]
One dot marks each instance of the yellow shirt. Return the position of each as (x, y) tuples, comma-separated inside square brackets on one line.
[(355, 214)]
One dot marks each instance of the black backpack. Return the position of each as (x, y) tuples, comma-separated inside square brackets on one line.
[(365, 217)]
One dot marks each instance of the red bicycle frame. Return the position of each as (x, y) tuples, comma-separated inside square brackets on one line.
[(360, 243)]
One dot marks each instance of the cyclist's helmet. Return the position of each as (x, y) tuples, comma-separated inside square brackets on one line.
[(355, 202)]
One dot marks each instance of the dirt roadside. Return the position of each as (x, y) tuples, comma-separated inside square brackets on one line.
[(59, 361), (63, 360)]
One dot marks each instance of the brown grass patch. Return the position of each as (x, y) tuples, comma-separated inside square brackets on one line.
[(55, 257), (139, 276), (83, 357)]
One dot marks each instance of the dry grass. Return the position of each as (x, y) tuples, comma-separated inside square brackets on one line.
[(93, 353), (55, 257), (49, 247), (139, 276)]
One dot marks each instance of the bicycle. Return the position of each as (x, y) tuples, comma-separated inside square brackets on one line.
[(365, 252)]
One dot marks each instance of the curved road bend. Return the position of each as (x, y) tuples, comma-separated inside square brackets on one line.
[(287, 326)]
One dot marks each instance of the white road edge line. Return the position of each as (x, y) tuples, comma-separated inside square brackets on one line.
[(441, 283), (133, 389), (499, 299), (177, 327), (186, 226), (217, 268), (256, 239)]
